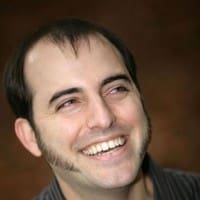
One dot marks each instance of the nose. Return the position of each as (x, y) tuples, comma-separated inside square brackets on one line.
[(100, 114)]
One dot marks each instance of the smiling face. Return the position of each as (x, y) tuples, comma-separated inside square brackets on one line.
[(88, 113)]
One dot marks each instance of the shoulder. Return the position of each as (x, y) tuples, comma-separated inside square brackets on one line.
[(183, 182), (183, 177), (173, 184), (51, 192), (44, 194)]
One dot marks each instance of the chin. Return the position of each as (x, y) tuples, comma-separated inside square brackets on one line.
[(122, 178)]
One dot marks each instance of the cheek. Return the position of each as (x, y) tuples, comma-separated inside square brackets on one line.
[(131, 112), (134, 117), (58, 131)]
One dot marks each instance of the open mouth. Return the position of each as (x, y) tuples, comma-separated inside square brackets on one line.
[(100, 148)]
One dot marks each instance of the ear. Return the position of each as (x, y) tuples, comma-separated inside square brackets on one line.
[(26, 135)]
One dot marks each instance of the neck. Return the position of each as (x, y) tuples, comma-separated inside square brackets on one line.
[(141, 189)]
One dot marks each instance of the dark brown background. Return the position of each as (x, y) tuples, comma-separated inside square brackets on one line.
[(165, 39)]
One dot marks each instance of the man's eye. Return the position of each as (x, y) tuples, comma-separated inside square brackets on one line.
[(119, 89), (67, 104)]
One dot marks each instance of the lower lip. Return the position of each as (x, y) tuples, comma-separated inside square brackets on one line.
[(110, 155)]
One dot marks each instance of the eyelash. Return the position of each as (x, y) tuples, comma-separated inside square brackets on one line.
[(70, 101), (119, 89)]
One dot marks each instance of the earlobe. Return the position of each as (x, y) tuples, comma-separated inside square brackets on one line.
[(26, 135)]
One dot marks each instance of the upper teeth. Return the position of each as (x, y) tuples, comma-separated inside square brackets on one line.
[(104, 146)]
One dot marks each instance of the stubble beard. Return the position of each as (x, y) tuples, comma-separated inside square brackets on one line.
[(57, 161)]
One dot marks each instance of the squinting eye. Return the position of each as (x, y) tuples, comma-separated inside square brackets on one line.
[(66, 104), (119, 89)]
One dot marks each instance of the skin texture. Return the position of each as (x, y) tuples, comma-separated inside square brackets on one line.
[(81, 100)]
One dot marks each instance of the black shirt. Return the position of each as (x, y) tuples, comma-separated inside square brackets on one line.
[(168, 184)]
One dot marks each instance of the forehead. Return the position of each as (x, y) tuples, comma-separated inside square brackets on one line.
[(48, 64)]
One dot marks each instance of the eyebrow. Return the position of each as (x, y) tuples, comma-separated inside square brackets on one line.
[(115, 78), (77, 90), (62, 93)]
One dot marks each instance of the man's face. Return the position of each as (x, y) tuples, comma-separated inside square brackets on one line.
[(88, 113)]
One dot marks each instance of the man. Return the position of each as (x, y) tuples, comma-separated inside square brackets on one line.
[(74, 90)]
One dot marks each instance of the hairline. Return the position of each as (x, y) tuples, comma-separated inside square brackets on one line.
[(70, 30), (74, 46)]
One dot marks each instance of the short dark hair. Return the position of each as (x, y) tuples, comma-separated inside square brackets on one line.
[(71, 29)]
